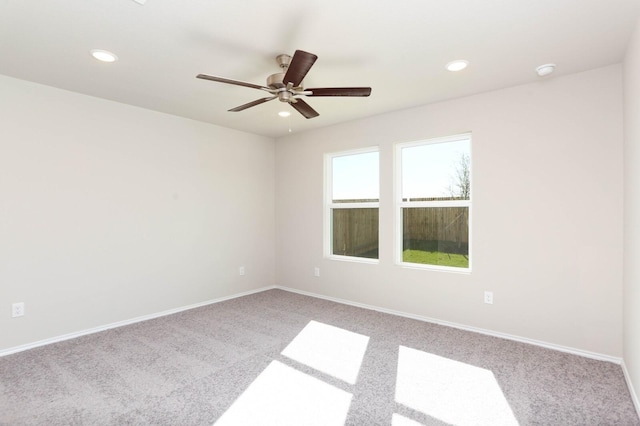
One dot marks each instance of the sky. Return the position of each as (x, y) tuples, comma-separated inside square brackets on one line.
[(356, 176), (427, 171), (430, 170)]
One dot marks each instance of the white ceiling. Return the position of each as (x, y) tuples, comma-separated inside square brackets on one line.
[(397, 48)]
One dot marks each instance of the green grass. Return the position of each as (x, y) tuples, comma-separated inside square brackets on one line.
[(435, 253), (435, 258)]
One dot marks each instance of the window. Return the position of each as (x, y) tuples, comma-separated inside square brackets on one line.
[(434, 202), (351, 207)]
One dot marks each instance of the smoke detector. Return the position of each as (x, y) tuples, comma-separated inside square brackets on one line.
[(545, 69)]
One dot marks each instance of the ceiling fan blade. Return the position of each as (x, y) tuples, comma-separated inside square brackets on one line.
[(303, 108), (340, 91), (300, 65), (252, 104), (236, 82)]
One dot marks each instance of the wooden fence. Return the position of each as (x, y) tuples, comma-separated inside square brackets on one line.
[(436, 223), (355, 231)]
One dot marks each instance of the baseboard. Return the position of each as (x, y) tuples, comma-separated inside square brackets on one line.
[(98, 329), (574, 351), (634, 395), (126, 322)]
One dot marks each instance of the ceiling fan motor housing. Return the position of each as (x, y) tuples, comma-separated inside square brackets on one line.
[(275, 80)]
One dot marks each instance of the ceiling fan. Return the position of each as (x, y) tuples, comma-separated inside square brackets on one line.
[(285, 85)]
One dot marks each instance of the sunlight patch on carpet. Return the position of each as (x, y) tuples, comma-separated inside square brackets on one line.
[(398, 420), (281, 396), (451, 391), (331, 350)]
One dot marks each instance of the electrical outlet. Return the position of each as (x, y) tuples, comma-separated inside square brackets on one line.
[(316, 271), (17, 309), (488, 297), (241, 270)]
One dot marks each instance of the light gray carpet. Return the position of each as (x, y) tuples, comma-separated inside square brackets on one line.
[(193, 367)]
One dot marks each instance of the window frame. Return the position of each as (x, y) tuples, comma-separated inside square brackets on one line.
[(400, 204), (329, 205)]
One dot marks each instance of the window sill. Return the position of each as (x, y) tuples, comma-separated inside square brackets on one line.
[(353, 259), (424, 267)]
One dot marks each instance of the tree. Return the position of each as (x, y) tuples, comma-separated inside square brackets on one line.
[(461, 185), (460, 188)]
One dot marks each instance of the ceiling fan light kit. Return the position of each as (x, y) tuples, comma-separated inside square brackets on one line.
[(286, 85)]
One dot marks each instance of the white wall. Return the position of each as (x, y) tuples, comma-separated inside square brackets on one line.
[(109, 212), (547, 213), (632, 213)]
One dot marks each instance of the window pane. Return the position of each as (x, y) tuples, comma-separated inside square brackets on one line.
[(436, 236), (355, 232), (355, 178), (437, 171)]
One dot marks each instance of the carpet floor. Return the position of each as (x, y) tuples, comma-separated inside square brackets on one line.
[(280, 358)]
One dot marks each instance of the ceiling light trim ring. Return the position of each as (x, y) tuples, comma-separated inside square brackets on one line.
[(103, 55), (457, 65)]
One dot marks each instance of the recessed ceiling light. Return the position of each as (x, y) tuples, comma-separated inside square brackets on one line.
[(545, 69), (457, 65), (284, 113), (103, 55)]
